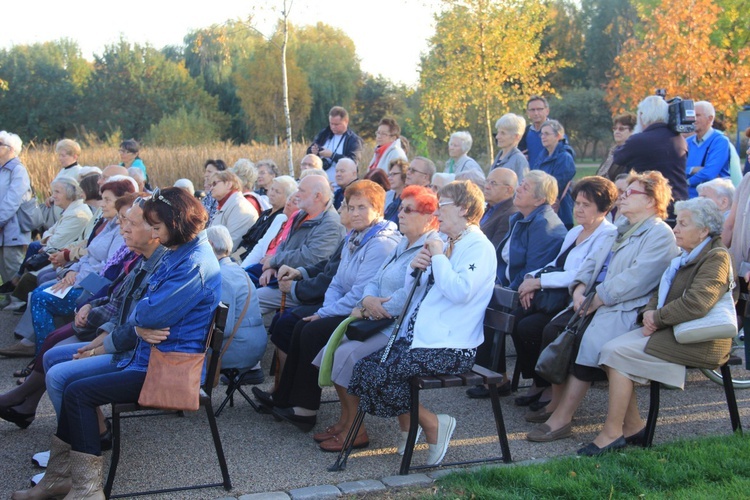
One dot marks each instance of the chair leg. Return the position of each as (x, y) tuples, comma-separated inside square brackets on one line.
[(115, 458), (502, 435), (413, 426), (653, 414), (348, 444), (217, 444), (516, 377), (734, 414)]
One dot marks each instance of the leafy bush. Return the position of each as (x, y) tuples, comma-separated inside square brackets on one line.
[(183, 128)]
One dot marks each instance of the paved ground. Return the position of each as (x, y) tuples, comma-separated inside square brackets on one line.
[(266, 456)]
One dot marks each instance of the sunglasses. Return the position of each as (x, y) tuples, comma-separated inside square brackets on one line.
[(408, 210), (629, 192)]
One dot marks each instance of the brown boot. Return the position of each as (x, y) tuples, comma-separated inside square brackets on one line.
[(87, 473), (56, 481)]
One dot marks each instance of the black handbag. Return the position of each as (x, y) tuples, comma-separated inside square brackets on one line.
[(36, 261), (554, 361), (363, 329), (551, 300)]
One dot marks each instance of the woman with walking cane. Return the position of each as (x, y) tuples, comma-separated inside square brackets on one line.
[(443, 329)]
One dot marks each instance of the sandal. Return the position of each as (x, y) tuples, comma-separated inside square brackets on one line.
[(20, 381), (24, 372)]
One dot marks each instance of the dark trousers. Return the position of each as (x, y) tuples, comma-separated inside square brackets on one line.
[(527, 337), (78, 424), (298, 385)]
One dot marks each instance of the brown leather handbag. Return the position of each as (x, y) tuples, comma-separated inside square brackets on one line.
[(173, 379)]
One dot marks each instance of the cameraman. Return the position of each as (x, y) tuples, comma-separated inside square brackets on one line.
[(656, 147)]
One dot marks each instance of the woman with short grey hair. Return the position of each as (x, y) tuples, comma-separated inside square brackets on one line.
[(458, 148), (248, 175), (510, 128), (249, 342)]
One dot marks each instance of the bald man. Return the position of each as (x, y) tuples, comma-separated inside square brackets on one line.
[(346, 173), (499, 189)]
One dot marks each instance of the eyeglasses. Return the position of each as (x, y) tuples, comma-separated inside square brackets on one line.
[(383, 134), (408, 210), (125, 151), (213, 184), (157, 195), (2, 144), (620, 129), (630, 191), (394, 174), (415, 171), (535, 110), (446, 202)]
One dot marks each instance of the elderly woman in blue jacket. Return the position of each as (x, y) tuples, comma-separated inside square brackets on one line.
[(175, 315), (557, 159), (371, 240), (536, 233), (245, 344)]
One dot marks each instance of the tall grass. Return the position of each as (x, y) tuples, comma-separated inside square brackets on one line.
[(165, 164)]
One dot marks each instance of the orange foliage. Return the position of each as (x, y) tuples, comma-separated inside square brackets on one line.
[(673, 51)]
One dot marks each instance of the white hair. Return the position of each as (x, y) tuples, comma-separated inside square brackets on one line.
[(220, 240), (464, 138), (246, 171), (287, 183), (652, 109), (73, 190), (120, 177), (724, 188), (704, 212), (313, 171), (708, 108), (12, 140), (512, 123), (185, 184)]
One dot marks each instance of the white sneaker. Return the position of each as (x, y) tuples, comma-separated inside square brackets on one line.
[(40, 459), (402, 440), (35, 480), (446, 426), (14, 305)]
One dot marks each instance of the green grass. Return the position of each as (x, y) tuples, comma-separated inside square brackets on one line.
[(585, 169), (709, 468)]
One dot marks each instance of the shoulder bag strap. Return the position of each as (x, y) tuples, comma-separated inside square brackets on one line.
[(239, 318)]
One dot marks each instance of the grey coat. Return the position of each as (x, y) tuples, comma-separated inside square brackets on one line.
[(634, 272), (15, 188), (314, 240)]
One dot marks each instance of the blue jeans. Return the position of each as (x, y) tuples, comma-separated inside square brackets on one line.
[(78, 424), (61, 370), (45, 306)]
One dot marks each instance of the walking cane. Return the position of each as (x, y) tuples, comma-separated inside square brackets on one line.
[(346, 448), (276, 360)]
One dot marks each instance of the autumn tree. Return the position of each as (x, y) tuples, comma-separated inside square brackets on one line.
[(610, 23), (483, 60), (673, 51), (259, 87)]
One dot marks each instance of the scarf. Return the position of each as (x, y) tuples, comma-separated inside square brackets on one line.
[(379, 152), (675, 264)]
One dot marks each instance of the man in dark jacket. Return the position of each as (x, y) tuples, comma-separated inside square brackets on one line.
[(335, 142), (656, 147), (498, 193)]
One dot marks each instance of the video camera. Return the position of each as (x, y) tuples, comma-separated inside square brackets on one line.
[(681, 113)]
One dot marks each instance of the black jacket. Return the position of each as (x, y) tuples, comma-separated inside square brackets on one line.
[(352, 147)]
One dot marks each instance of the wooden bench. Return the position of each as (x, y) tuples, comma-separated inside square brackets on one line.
[(477, 376)]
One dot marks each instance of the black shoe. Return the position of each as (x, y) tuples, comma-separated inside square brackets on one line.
[(538, 405), (592, 450), (264, 398), (7, 287), (637, 439), (305, 424), (22, 420), (526, 399)]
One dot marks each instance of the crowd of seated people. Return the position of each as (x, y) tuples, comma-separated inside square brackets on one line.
[(275, 247)]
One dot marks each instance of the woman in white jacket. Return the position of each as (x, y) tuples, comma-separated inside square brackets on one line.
[(387, 145), (234, 211), (442, 329)]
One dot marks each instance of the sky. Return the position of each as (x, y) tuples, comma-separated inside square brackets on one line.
[(389, 35)]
